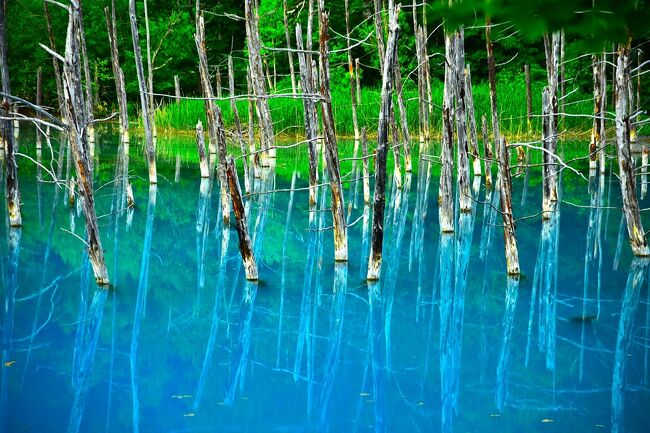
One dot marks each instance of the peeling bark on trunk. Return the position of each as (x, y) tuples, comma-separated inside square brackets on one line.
[(12, 189), (471, 118), (487, 153), (377, 242), (144, 102), (311, 117), (238, 127), (257, 81), (200, 145), (120, 87), (505, 188), (331, 151), (458, 62), (77, 131), (635, 230), (366, 172), (245, 244), (445, 195)]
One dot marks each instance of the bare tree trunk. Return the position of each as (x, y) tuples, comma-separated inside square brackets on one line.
[(549, 170), (292, 72), (238, 127), (245, 244), (351, 70), (257, 80), (458, 62), (445, 195), (505, 188), (487, 153), (88, 85), (596, 65), (12, 189), (406, 138), (39, 103), (366, 172), (331, 151), (152, 106), (603, 125), (55, 62), (200, 145), (120, 87), (217, 77), (177, 89), (144, 102), (357, 70), (625, 161), (311, 117), (377, 242), (493, 82), (471, 118), (75, 114), (529, 98)]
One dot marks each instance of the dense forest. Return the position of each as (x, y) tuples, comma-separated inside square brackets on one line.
[(517, 40)]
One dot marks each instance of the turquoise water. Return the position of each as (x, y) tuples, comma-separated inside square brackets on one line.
[(444, 342)]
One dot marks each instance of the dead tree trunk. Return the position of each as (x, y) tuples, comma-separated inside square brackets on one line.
[(597, 68), (487, 153), (331, 150), (88, 87), (445, 195), (215, 125), (351, 70), (75, 114), (529, 98), (406, 138), (39, 103), (200, 146), (55, 62), (255, 157), (505, 188), (357, 71), (366, 172), (150, 68), (549, 170), (238, 127), (471, 118), (177, 89), (496, 136), (144, 101), (458, 62), (12, 189), (311, 117), (257, 80), (625, 161), (120, 87), (245, 244), (603, 138), (379, 204), (292, 72)]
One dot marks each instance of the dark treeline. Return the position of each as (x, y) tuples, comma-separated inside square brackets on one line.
[(517, 40)]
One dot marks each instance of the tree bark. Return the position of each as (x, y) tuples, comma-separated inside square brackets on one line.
[(238, 127), (377, 242), (88, 85), (292, 73), (200, 145), (12, 188), (445, 195), (487, 153), (257, 80), (596, 131), (505, 188), (39, 103), (144, 101), (311, 117), (245, 244), (75, 115), (120, 87), (471, 118), (458, 62), (55, 62), (549, 169), (366, 172), (492, 82), (625, 162), (177, 89), (331, 150)]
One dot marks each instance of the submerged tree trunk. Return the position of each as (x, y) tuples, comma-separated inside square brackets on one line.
[(77, 132), (445, 195), (375, 258), (257, 79), (331, 149), (12, 190), (245, 244), (120, 87), (505, 188), (311, 117), (625, 162), (144, 101)]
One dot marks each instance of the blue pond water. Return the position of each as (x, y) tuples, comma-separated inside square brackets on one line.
[(444, 342)]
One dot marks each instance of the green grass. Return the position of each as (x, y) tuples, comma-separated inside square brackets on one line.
[(287, 113)]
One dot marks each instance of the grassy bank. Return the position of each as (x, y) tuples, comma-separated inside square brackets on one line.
[(287, 113)]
